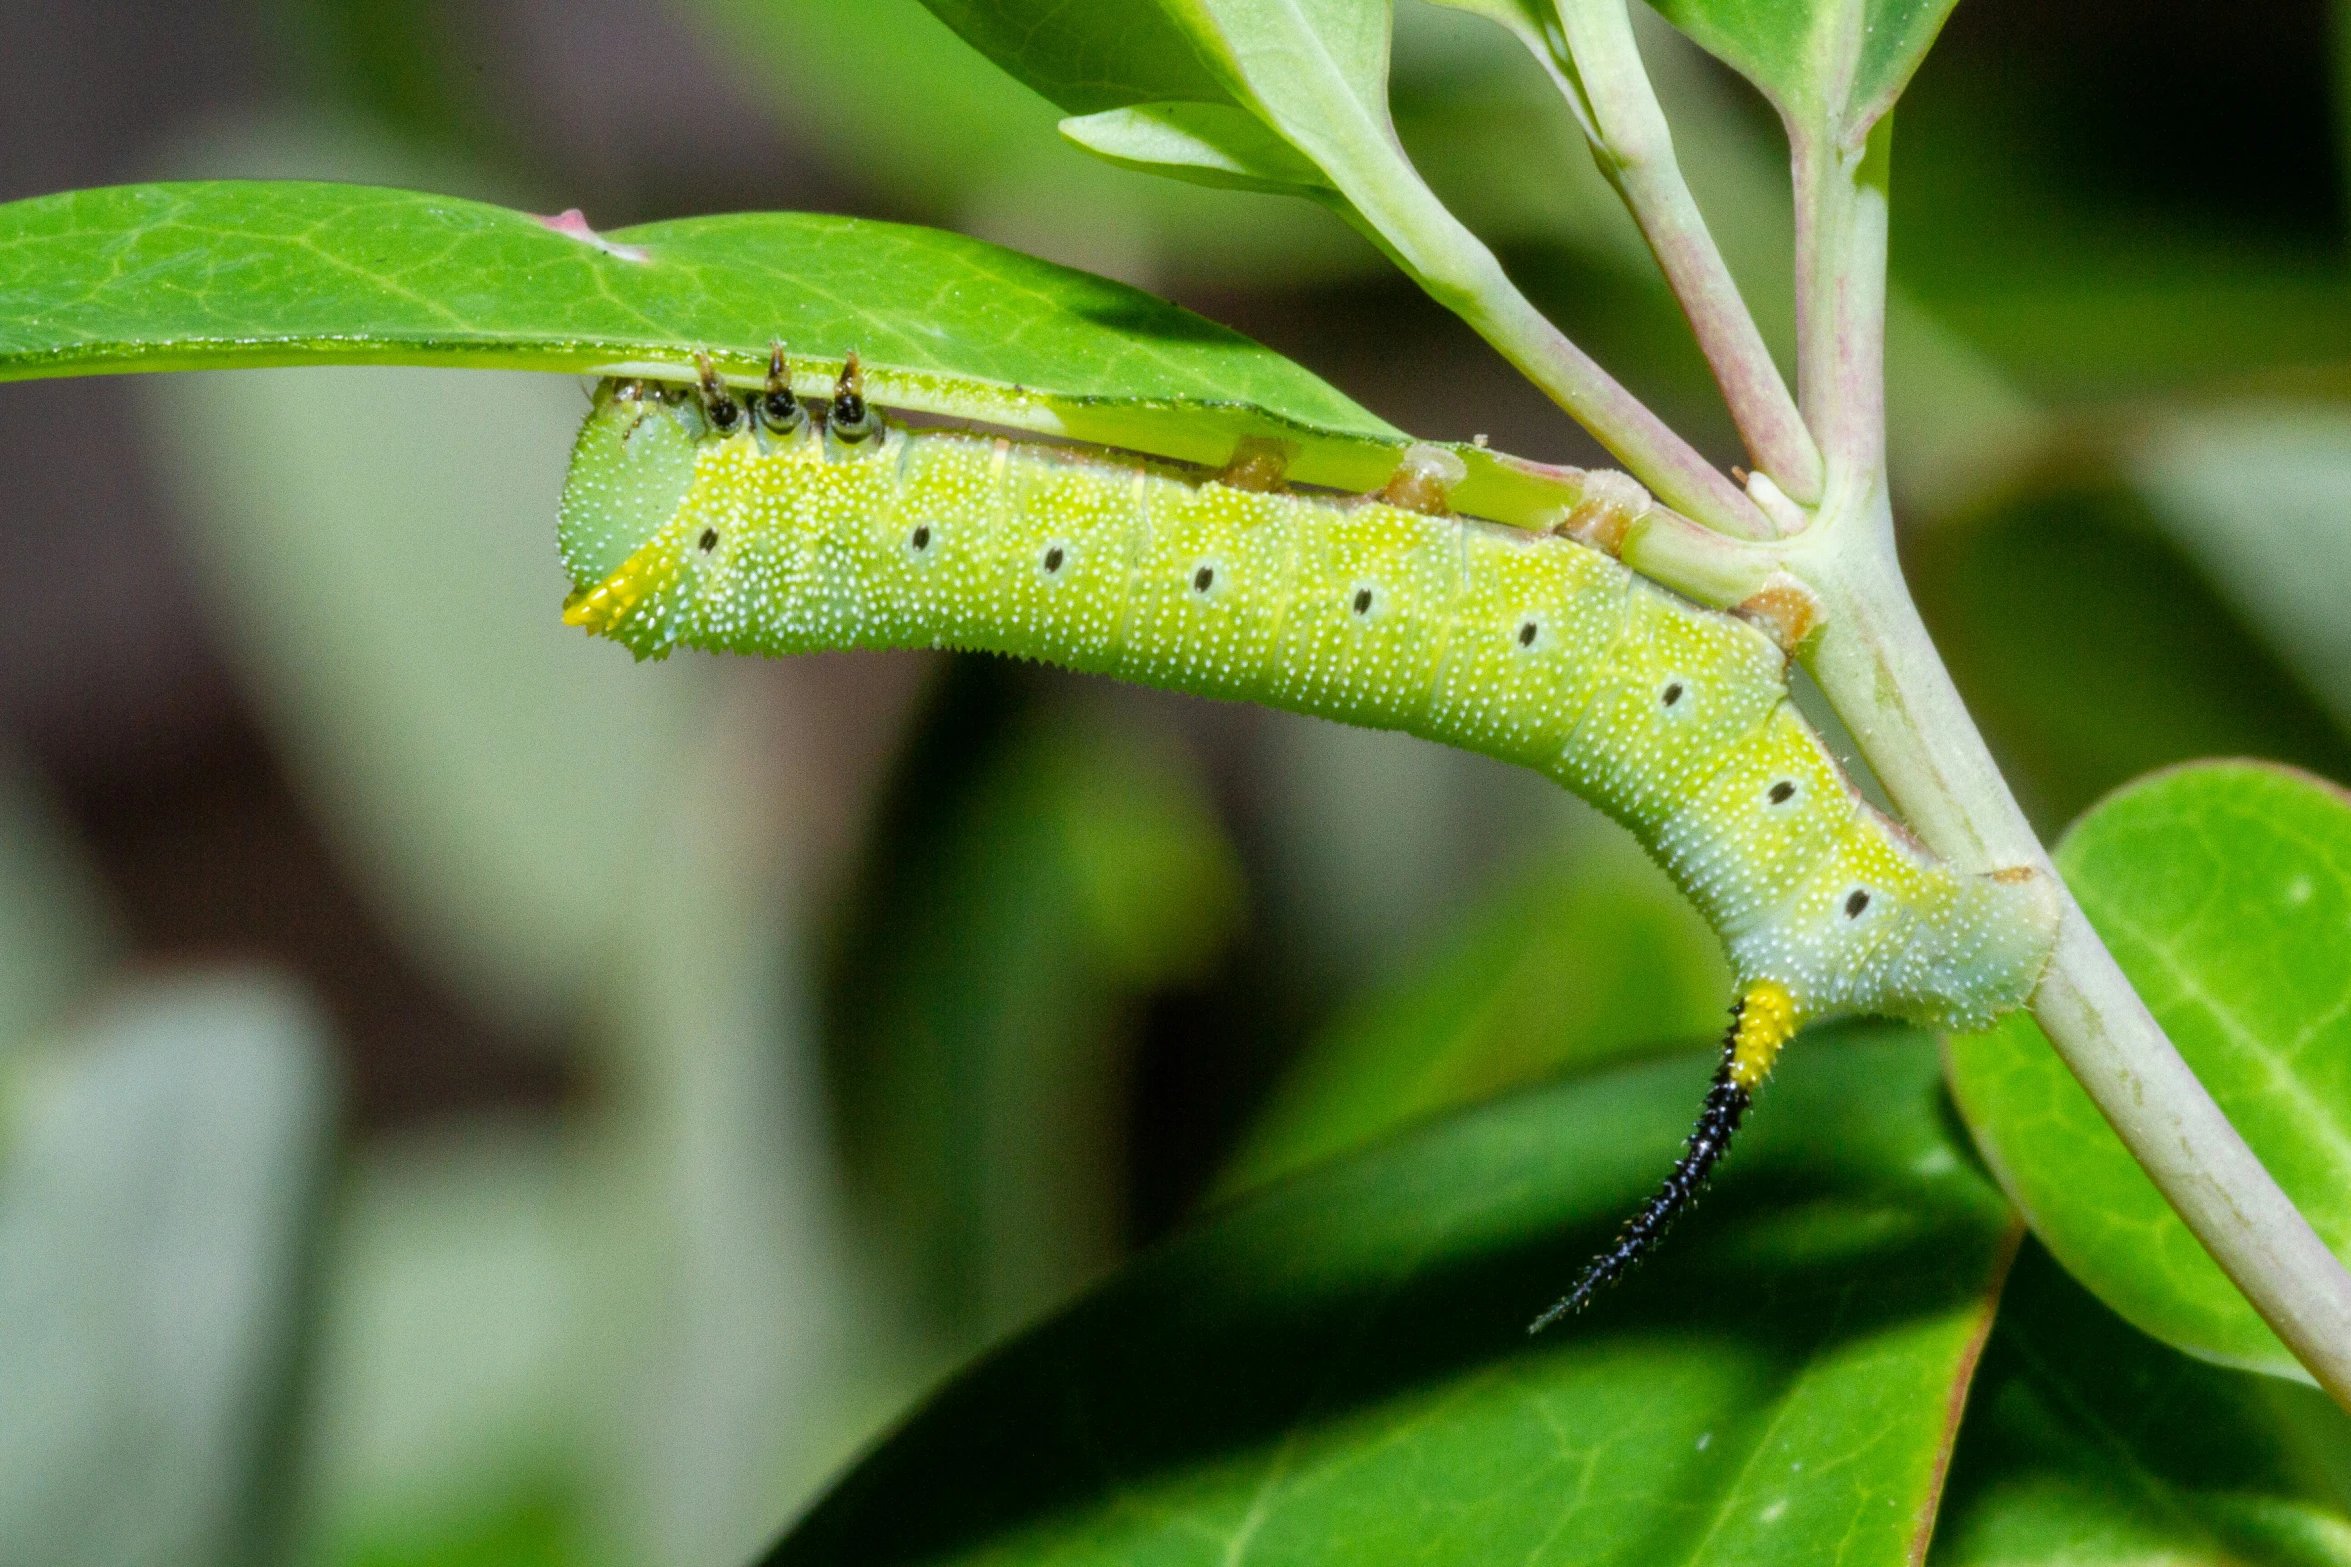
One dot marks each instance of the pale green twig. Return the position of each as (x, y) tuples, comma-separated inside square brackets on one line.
[(1841, 300), (1401, 215)]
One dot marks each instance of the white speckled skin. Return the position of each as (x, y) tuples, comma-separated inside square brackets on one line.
[(1528, 647)]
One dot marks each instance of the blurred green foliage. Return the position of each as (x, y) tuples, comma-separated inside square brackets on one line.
[(2079, 691), (1034, 873), (161, 1167), (1583, 957), (56, 939)]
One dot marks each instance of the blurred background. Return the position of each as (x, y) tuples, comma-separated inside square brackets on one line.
[(466, 1098)]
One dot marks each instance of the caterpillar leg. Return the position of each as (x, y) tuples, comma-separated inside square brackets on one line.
[(1762, 1020)]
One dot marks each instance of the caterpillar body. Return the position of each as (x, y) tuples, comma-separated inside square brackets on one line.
[(690, 520)]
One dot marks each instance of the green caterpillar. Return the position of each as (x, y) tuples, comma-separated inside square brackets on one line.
[(690, 519)]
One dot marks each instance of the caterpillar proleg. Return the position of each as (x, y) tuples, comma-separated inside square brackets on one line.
[(692, 519)]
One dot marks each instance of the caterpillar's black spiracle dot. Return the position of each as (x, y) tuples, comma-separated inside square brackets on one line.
[(1782, 792), (709, 540), (922, 537), (1671, 694), (1053, 559), (1527, 634), (1203, 579), (1858, 901), (1363, 601)]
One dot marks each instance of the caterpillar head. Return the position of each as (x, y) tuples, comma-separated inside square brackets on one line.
[(630, 468)]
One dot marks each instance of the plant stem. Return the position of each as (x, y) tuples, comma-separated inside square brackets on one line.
[(1877, 666), (1279, 68), (1634, 147), (1875, 663), (1675, 470), (1841, 300), (1398, 213), (1872, 656)]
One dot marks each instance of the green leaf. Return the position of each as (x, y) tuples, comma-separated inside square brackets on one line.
[(1841, 63), (1339, 1371), (243, 273), (1103, 54), (885, 94), (2224, 890), (1589, 956), (1315, 70), (1315, 73), (2088, 1442), (1207, 143), (234, 273)]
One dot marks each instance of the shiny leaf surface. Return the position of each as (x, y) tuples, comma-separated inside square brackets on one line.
[(1339, 1370), (224, 274), (2224, 890), (2089, 1444)]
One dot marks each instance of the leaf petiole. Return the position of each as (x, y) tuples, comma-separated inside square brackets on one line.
[(1633, 146)]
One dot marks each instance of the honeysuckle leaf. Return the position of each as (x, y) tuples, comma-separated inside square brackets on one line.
[(2224, 890), (1206, 143), (1338, 1370), (222, 274), (1839, 64), (2087, 1441)]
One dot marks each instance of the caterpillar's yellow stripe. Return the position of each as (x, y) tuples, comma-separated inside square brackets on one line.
[(694, 521)]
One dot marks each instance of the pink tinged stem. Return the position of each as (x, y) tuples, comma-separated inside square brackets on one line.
[(1841, 189), (1390, 206), (1678, 473), (1634, 147)]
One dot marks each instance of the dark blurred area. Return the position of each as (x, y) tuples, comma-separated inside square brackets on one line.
[(2122, 312)]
